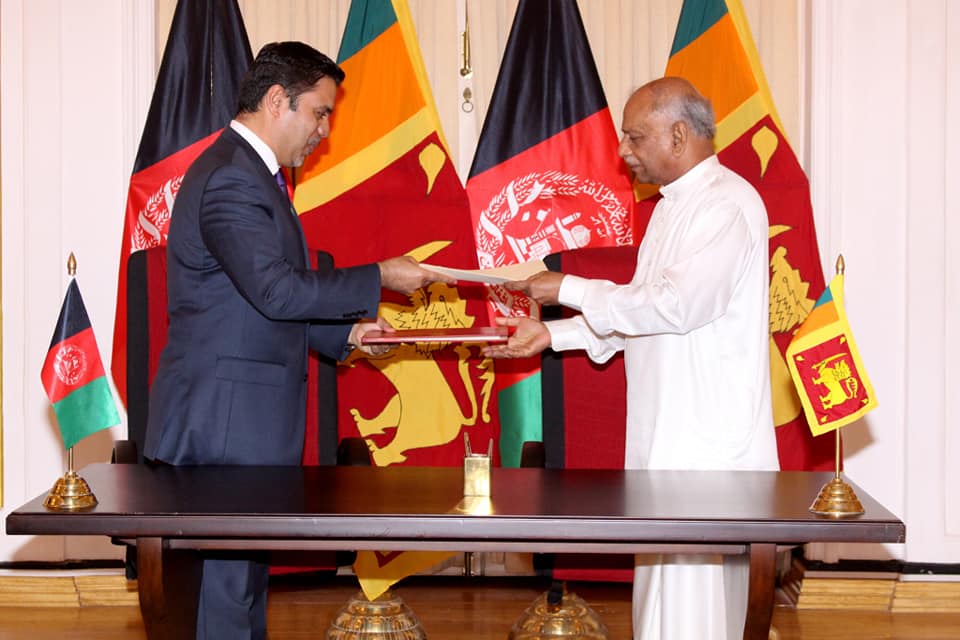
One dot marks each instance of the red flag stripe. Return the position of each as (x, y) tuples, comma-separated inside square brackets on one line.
[(71, 364)]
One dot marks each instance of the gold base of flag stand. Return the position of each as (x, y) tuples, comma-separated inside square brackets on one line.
[(386, 618), (837, 499), (557, 614), (71, 492)]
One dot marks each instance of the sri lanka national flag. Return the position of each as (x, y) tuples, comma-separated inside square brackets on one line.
[(383, 185), (826, 366), (714, 50), (546, 178), (195, 96), (73, 374)]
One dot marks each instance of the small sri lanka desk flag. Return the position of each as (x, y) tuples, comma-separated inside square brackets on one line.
[(73, 374), (826, 367)]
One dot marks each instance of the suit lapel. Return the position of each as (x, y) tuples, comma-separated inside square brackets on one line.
[(283, 208)]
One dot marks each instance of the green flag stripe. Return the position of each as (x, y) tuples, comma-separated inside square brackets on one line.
[(521, 408), (367, 20), (696, 17), (87, 410)]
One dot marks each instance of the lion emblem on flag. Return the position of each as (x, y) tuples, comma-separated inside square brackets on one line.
[(424, 410)]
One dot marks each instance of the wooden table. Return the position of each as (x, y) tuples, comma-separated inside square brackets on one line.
[(174, 512)]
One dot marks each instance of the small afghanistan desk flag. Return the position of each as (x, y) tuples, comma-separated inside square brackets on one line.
[(826, 366), (73, 374)]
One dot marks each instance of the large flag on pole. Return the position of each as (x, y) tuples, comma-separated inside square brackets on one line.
[(826, 366), (714, 50), (206, 55), (546, 178), (73, 374), (383, 185)]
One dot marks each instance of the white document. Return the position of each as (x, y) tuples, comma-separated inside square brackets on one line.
[(499, 275)]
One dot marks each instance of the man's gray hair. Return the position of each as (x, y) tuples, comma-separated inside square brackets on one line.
[(698, 113), (689, 106)]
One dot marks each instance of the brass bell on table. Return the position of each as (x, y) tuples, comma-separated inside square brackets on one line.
[(558, 614), (386, 618)]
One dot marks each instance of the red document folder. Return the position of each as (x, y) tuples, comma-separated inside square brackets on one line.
[(471, 334)]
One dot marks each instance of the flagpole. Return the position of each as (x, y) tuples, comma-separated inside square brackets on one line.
[(71, 492), (840, 268), (837, 499)]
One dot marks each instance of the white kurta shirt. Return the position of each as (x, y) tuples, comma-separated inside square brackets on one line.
[(694, 326)]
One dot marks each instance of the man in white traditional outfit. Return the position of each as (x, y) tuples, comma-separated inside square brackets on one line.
[(693, 325)]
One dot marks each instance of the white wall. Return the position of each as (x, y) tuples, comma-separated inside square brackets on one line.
[(876, 134), (885, 83), (73, 103)]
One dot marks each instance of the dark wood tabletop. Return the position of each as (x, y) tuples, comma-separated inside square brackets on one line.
[(174, 514), (427, 503)]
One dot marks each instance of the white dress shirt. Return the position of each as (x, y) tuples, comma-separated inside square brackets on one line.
[(693, 322)]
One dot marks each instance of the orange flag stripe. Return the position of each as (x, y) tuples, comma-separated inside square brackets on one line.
[(385, 73), (821, 316), (728, 79)]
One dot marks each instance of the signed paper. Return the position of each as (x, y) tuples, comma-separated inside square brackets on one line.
[(498, 275)]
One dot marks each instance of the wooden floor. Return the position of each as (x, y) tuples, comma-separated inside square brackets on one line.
[(459, 609)]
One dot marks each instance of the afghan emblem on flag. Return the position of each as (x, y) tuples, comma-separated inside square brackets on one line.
[(153, 219), (527, 220), (73, 374), (522, 223), (69, 364)]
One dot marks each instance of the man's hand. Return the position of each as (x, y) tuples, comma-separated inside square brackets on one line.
[(404, 275), (544, 287), (361, 328), (529, 338)]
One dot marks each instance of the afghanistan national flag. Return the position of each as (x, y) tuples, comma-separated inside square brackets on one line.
[(383, 185), (195, 96), (826, 365), (73, 374), (546, 178), (714, 50)]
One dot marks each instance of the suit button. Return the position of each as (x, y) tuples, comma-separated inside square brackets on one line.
[(304, 377)]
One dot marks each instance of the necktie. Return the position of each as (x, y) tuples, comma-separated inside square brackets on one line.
[(282, 182)]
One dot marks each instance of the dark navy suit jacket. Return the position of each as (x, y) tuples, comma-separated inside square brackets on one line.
[(244, 306)]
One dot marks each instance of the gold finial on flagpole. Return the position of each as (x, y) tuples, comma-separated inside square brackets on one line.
[(837, 499), (466, 64), (71, 492)]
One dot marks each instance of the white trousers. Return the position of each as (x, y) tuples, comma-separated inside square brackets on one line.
[(690, 597)]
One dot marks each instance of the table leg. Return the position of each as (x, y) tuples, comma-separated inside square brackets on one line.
[(760, 596), (168, 582)]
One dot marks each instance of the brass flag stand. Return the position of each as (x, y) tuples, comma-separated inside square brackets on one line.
[(837, 499), (71, 492)]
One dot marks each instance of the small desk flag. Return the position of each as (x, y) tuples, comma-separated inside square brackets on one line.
[(73, 374), (826, 366)]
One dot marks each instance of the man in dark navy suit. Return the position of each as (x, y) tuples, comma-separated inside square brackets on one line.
[(244, 306)]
